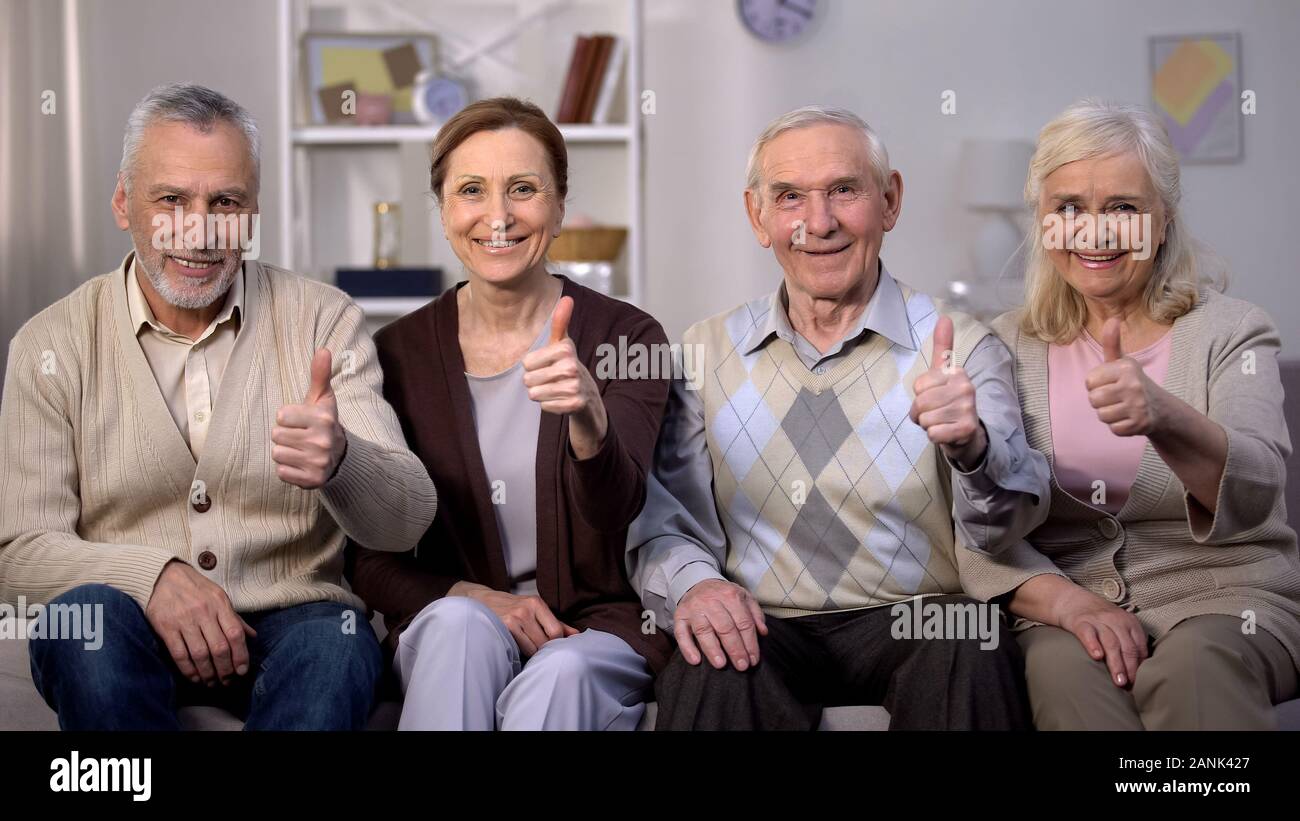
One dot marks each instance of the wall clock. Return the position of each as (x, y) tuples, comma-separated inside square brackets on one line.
[(436, 99), (777, 21)]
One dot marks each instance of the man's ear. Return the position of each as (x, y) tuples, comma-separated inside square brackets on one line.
[(754, 208), (119, 204), (893, 199)]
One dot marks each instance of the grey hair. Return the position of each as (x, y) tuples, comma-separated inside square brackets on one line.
[(194, 105), (819, 115)]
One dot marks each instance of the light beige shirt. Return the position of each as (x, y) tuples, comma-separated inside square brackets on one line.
[(188, 371)]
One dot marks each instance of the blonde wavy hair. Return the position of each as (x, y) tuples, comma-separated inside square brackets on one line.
[(1054, 311)]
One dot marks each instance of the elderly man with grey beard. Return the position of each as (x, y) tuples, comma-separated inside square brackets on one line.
[(186, 442), (847, 437)]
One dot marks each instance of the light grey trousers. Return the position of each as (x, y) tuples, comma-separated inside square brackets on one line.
[(461, 670)]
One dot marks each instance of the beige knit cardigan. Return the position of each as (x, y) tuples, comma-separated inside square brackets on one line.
[(1164, 557), (98, 485)]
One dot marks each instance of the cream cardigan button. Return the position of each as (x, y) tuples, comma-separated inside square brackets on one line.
[(207, 560), (1110, 589), (1109, 528)]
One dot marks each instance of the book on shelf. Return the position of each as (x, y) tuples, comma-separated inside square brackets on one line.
[(609, 83), (569, 100), (592, 78)]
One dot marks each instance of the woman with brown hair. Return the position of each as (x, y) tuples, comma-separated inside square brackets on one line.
[(514, 609)]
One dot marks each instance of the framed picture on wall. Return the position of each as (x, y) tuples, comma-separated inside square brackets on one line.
[(1196, 90), (379, 70)]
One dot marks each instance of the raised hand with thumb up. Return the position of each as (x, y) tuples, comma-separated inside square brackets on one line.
[(1119, 390), (561, 384), (944, 403), (308, 442)]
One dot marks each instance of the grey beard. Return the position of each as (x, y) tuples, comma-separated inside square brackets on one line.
[(193, 298)]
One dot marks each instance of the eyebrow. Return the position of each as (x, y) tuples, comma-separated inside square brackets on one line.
[(234, 192), (1112, 198), (476, 178), (777, 187)]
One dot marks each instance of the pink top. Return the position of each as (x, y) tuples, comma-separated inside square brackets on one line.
[(1084, 448)]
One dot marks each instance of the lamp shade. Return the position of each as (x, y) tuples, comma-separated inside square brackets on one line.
[(993, 173)]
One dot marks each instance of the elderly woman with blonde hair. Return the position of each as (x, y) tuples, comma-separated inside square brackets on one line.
[(1163, 591)]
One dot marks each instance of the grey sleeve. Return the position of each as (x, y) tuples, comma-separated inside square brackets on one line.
[(678, 539), (999, 501), (1244, 397)]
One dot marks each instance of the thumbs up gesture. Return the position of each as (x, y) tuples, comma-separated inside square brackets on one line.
[(944, 404), (1119, 390), (562, 385), (308, 441)]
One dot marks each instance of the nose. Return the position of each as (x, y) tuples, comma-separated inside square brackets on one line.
[(195, 223), (499, 217), (821, 220)]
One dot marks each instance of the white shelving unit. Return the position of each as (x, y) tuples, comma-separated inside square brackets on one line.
[(605, 160)]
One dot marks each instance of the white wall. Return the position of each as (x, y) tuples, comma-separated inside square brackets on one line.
[(130, 46), (1014, 64)]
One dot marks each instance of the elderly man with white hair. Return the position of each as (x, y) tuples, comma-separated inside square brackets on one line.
[(831, 447), (184, 444)]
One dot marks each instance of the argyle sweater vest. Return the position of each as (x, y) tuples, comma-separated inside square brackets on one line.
[(831, 497)]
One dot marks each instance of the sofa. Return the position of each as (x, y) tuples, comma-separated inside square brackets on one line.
[(22, 708)]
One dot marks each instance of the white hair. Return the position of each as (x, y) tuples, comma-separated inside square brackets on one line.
[(193, 105), (819, 115)]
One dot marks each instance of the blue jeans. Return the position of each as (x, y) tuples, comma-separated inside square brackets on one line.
[(306, 672)]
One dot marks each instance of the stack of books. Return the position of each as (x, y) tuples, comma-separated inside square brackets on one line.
[(592, 81)]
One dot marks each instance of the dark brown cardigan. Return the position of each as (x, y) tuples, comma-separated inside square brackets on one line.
[(583, 507)]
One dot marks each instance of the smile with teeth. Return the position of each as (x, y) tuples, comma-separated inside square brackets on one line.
[(497, 243), (1102, 258), (199, 264)]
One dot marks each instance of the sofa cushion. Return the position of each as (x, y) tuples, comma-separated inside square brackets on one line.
[(22, 708)]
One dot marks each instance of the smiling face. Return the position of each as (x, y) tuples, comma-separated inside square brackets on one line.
[(500, 207), (820, 209), (201, 173), (1109, 263)]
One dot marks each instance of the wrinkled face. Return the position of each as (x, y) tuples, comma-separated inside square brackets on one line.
[(820, 209), (500, 206), (1103, 223), (190, 256)]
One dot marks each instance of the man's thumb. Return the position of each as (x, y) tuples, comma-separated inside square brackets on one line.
[(1110, 340), (321, 365), (942, 342)]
